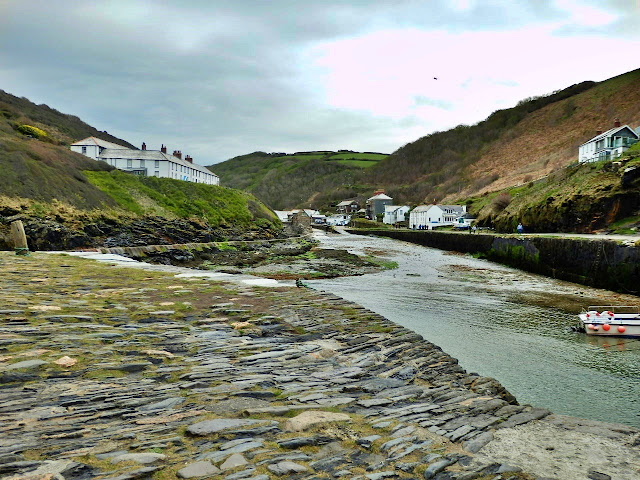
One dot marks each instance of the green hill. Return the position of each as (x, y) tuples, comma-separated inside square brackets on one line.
[(535, 141), (68, 200), (300, 179)]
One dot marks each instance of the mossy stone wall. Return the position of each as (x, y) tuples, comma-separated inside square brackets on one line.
[(598, 263)]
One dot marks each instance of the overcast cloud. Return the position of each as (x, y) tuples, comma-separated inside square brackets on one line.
[(216, 79)]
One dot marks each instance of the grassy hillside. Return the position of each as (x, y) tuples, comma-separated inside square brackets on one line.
[(511, 147), (300, 179), (68, 200), (61, 128), (165, 197), (37, 171), (519, 163), (587, 197)]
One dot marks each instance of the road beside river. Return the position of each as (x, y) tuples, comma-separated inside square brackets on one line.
[(502, 323)]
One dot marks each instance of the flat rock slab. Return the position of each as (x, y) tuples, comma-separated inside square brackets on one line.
[(198, 469), (219, 424), (163, 405), (239, 404), (306, 419), (27, 364), (475, 444), (143, 458), (286, 468), (234, 461), (525, 417)]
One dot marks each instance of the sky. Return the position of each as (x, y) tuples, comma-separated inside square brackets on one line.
[(216, 79)]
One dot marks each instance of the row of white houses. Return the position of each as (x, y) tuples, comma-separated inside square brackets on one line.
[(145, 162)]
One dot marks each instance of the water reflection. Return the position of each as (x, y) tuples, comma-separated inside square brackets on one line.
[(502, 323)]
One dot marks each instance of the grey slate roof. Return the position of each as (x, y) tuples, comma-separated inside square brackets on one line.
[(380, 196), (99, 142), (135, 154), (609, 133), (152, 155), (454, 208)]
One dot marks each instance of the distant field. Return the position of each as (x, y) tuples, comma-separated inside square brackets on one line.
[(353, 159), (303, 156), (357, 163), (360, 160), (374, 157)]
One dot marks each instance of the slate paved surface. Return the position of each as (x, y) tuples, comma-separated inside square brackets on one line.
[(195, 378)]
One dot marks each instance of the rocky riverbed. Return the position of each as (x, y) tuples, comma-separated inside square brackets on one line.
[(289, 258), (118, 373)]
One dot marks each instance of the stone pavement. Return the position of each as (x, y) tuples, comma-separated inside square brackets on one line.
[(119, 373)]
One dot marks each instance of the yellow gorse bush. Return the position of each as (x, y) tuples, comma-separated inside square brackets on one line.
[(31, 130)]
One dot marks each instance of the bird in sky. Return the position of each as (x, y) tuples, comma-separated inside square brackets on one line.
[(435, 78)]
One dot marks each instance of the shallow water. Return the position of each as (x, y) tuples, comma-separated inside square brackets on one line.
[(502, 323)]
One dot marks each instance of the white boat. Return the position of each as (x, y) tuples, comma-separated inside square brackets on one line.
[(610, 320)]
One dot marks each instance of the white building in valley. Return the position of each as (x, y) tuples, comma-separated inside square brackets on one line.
[(431, 216), (394, 214), (156, 163), (608, 145), (315, 216)]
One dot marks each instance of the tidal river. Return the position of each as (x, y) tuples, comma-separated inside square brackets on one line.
[(502, 323)]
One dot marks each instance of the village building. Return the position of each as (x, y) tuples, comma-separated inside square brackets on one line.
[(432, 216), (348, 206), (376, 204), (608, 145), (286, 215), (283, 215), (339, 219), (156, 163), (464, 221), (394, 214)]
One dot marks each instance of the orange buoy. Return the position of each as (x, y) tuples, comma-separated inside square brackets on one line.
[(606, 327), (591, 326), (622, 329)]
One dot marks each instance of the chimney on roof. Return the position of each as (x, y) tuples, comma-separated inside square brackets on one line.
[(378, 192), (144, 146), (188, 159), (177, 154), (598, 132), (163, 148), (616, 124)]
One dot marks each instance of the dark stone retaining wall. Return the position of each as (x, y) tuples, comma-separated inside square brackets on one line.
[(598, 263)]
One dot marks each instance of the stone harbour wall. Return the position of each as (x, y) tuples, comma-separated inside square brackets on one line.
[(598, 263)]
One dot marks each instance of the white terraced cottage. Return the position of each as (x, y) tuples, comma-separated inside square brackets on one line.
[(431, 216), (394, 214), (156, 163)]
